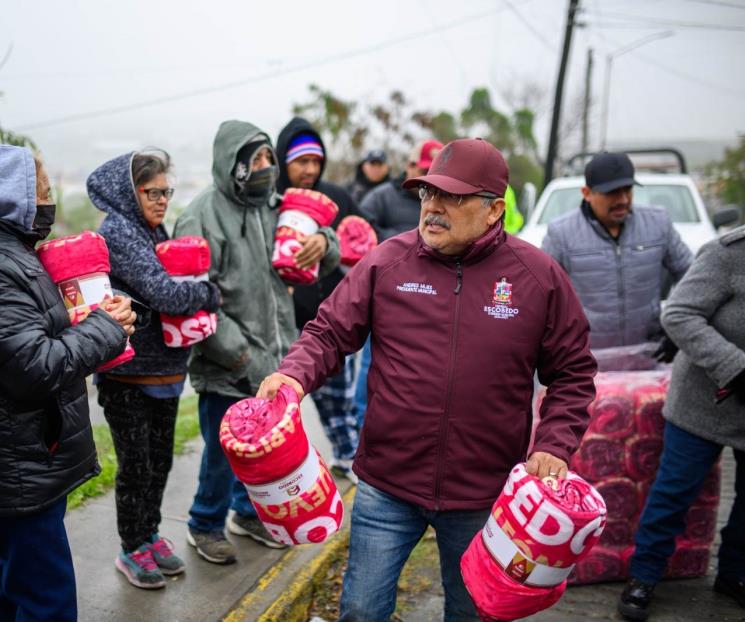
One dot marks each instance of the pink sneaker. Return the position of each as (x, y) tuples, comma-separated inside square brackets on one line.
[(163, 554), (140, 568)]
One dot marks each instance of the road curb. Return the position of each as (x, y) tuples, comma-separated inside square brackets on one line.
[(285, 591)]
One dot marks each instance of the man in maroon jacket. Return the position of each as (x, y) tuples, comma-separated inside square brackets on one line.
[(461, 316)]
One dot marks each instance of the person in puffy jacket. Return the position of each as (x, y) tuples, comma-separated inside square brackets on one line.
[(461, 315), (140, 398), (369, 174), (46, 443), (704, 412), (616, 254), (238, 216)]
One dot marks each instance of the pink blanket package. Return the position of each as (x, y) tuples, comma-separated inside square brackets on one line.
[(186, 259), (619, 455), (356, 238), (301, 213), (537, 531), (287, 481), (79, 266)]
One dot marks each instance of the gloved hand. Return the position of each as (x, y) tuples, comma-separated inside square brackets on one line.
[(666, 350)]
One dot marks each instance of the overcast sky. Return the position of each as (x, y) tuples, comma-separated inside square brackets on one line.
[(80, 57)]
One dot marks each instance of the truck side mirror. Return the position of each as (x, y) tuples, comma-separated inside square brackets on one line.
[(724, 216)]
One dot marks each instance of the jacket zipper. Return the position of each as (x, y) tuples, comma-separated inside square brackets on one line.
[(442, 440), (275, 315), (621, 291)]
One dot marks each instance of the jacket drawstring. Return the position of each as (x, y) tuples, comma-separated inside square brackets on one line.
[(243, 226)]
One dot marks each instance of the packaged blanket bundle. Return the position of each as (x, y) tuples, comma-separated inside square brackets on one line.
[(79, 266), (619, 455), (537, 531), (186, 259), (356, 238), (286, 479), (301, 213)]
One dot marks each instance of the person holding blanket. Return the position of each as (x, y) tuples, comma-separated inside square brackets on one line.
[(461, 315), (237, 215), (46, 444), (140, 398)]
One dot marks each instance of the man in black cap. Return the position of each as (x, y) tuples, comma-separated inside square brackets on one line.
[(370, 173), (615, 253)]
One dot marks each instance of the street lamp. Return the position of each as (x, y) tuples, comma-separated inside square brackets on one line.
[(609, 66)]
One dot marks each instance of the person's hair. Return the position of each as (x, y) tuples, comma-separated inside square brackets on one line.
[(148, 164)]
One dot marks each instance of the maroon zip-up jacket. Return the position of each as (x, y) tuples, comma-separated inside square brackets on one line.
[(455, 344)]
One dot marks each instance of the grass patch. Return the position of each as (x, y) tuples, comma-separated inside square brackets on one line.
[(187, 427)]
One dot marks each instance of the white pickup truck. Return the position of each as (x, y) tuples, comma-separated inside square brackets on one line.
[(676, 192)]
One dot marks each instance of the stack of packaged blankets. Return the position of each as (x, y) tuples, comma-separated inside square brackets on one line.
[(619, 455)]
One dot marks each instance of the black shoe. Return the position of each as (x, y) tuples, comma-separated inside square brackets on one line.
[(731, 585), (635, 600)]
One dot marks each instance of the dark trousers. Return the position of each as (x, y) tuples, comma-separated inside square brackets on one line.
[(142, 428), (686, 460), (219, 490), (37, 581)]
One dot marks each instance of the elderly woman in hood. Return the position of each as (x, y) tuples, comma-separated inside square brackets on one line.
[(256, 323), (140, 398), (46, 445)]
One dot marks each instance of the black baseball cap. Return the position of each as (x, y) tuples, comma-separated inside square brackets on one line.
[(376, 155), (607, 172)]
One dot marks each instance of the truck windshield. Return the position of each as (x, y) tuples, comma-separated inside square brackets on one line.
[(676, 199)]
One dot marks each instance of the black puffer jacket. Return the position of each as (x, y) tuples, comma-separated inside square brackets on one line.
[(391, 209), (308, 298), (46, 444)]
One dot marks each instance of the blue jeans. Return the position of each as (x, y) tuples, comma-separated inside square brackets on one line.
[(335, 410), (360, 389), (218, 489), (686, 460), (37, 580), (384, 532)]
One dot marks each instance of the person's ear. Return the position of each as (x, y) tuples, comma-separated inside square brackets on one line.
[(496, 209), (586, 192)]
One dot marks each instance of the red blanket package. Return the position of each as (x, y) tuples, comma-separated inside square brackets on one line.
[(301, 213), (519, 563), (186, 259), (286, 479), (356, 238), (620, 454), (79, 266)]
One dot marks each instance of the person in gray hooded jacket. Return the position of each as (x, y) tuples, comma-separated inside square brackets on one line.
[(616, 254), (46, 444), (704, 412), (255, 325)]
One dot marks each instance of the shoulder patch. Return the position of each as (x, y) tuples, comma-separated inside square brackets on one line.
[(733, 236)]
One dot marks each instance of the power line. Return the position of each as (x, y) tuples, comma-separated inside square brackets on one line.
[(104, 112), (527, 23), (656, 22), (730, 5)]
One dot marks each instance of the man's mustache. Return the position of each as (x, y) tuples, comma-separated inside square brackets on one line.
[(434, 219)]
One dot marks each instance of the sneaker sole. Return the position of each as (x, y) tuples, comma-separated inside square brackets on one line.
[(121, 567), (215, 560), (237, 530), (721, 588), (632, 613), (169, 572)]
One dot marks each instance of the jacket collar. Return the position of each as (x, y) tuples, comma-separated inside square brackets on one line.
[(481, 248)]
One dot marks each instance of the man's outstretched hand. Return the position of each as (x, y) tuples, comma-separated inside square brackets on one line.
[(270, 385), (542, 464)]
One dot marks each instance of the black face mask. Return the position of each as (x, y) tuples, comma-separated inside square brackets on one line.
[(43, 220)]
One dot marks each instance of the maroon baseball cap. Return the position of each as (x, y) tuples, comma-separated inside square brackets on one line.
[(466, 166)]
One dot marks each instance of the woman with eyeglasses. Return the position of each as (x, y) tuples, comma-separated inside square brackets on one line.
[(140, 398)]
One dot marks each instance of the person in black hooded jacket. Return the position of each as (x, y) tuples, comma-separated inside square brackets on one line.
[(46, 443), (301, 156)]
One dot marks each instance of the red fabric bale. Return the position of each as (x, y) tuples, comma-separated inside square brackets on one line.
[(648, 402), (710, 490), (612, 411), (643, 457), (690, 559), (184, 256), (618, 533), (598, 457), (701, 524), (289, 484), (602, 564), (621, 497), (73, 256), (518, 564), (356, 239)]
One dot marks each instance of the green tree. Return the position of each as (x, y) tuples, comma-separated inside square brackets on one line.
[(729, 176)]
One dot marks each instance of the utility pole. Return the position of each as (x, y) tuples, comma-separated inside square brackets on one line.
[(548, 172), (588, 99)]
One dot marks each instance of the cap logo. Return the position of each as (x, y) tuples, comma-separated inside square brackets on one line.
[(444, 156)]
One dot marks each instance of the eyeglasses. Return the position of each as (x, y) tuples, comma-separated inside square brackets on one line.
[(447, 199), (154, 194)]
